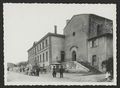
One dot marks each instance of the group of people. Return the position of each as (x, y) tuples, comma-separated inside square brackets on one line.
[(35, 71), (61, 71)]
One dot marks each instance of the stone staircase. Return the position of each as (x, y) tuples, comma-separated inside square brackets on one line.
[(80, 66), (91, 68), (74, 66)]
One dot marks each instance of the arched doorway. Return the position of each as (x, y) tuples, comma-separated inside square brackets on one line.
[(73, 56)]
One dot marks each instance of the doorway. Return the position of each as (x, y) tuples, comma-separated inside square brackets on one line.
[(73, 56), (95, 61), (62, 56)]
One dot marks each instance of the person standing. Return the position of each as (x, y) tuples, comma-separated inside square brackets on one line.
[(107, 75), (61, 72), (54, 72), (37, 71)]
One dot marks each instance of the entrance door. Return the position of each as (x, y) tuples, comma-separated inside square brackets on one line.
[(94, 61), (73, 56), (62, 56)]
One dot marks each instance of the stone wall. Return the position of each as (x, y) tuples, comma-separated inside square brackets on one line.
[(109, 45), (78, 25), (99, 26), (103, 51), (99, 51), (57, 45)]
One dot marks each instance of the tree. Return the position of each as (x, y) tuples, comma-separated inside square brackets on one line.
[(23, 63), (109, 65)]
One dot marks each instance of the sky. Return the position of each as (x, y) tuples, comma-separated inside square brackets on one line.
[(26, 23)]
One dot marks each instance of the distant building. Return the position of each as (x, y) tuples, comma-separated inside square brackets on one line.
[(86, 38)]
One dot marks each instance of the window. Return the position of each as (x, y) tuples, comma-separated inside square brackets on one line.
[(46, 43), (33, 51), (37, 48), (98, 29), (43, 45), (73, 33), (46, 56), (40, 46), (94, 43), (35, 59), (40, 58), (43, 57)]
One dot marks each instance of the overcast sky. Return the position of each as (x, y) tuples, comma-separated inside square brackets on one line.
[(26, 23)]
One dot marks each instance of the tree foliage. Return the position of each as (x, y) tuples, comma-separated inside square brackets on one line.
[(23, 63), (109, 65)]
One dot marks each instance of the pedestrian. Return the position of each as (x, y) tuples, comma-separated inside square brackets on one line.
[(29, 71), (37, 71), (54, 72), (20, 70), (61, 72), (23, 69), (107, 75), (8, 68)]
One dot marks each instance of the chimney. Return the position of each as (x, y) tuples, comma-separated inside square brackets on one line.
[(67, 21), (55, 29)]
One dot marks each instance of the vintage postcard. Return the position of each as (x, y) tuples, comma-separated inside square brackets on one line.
[(59, 44)]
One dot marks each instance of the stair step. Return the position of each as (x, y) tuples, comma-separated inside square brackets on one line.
[(82, 64), (74, 66), (92, 69)]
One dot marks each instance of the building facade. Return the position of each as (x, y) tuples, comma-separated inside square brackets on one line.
[(87, 38), (100, 41), (46, 51)]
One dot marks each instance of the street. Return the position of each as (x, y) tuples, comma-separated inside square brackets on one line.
[(68, 77)]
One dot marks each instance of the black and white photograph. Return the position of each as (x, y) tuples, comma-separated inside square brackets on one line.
[(59, 44)]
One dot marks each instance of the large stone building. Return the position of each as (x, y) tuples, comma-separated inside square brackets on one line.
[(46, 51), (87, 38)]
